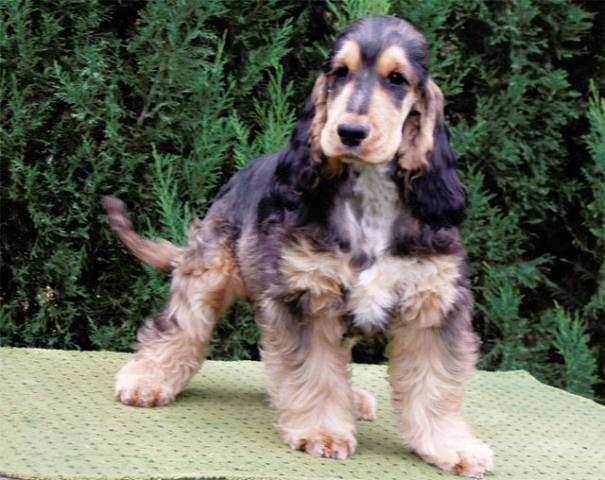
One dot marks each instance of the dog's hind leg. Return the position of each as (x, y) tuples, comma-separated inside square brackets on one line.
[(308, 380), (365, 405), (171, 347)]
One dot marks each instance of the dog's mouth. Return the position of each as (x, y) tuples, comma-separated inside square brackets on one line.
[(353, 157)]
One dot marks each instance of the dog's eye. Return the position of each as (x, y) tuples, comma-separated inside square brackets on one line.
[(397, 78), (340, 72)]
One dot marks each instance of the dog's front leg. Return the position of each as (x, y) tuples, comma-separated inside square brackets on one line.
[(308, 379), (430, 356)]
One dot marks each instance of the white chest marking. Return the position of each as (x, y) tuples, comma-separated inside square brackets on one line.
[(422, 289), (370, 215), (378, 200)]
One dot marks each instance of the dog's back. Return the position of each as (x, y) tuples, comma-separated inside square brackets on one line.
[(236, 205)]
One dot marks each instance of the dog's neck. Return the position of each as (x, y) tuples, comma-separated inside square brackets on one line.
[(369, 211)]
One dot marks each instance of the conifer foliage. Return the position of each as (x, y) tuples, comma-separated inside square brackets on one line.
[(160, 101)]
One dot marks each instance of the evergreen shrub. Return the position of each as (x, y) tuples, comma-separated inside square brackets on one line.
[(160, 101)]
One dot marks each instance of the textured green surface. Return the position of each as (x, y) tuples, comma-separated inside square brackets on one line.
[(58, 419)]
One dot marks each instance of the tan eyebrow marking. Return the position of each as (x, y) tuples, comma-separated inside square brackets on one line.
[(349, 55), (394, 59)]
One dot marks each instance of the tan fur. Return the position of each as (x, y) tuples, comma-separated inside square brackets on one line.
[(385, 134), (394, 59), (424, 287), (431, 289), (349, 56), (319, 275), (202, 287), (418, 142), (318, 98), (365, 405), (333, 166), (309, 388), (410, 136), (159, 254), (160, 370), (329, 140), (427, 375)]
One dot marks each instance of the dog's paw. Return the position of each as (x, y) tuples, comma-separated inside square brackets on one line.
[(365, 405), (135, 386), (325, 445), (468, 458), (144, 392)]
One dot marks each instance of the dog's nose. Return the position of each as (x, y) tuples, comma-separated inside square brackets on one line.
[(352, 134)]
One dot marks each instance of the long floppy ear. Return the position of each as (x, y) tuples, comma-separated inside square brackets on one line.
[(296, 188), (310, 124), (434, 192), (319, 96), (418, 139)]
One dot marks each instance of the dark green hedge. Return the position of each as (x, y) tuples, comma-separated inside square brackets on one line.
[(160, 101)]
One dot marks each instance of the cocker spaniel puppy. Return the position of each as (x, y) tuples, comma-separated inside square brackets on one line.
[(348, 231)]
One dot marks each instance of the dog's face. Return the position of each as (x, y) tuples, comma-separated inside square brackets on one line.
[(377, 102), (376, 76)]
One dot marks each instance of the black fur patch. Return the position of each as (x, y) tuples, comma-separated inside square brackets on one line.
[(437, 197)]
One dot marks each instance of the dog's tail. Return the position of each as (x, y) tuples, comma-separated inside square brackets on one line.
[(159, 254)]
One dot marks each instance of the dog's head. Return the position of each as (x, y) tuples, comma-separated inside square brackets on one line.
[(377, 77), (375, 102)]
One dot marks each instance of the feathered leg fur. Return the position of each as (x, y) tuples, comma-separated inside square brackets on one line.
[(308, 381), (428, 366), (171, 347)]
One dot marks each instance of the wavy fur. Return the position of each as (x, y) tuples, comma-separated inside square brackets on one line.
[(333, 238)]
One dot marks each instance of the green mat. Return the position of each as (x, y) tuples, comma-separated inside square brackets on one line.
[(58, 420)]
